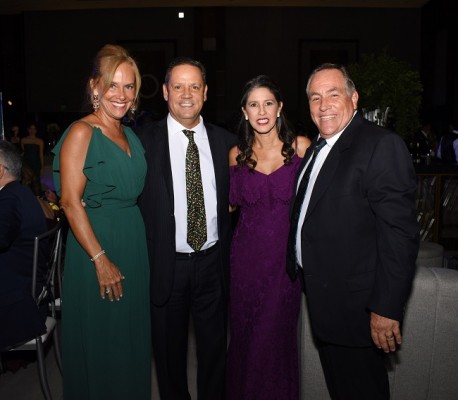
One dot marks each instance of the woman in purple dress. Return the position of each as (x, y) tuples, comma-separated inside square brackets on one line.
[(264, 304)]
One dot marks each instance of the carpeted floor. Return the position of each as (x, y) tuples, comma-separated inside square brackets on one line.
[(20, 379)]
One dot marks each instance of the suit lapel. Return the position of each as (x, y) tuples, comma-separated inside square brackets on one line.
[(307, 155), (216, 150), (324, 179), (219, 151), (165, 167), (331, 164)]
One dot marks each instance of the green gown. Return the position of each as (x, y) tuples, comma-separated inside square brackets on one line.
[(106, 346)]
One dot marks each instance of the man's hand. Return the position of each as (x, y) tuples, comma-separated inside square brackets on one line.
[(385, 332)]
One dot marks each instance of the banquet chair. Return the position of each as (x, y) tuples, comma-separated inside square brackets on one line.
[(47, 295)]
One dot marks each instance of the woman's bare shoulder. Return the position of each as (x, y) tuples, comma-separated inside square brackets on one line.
[(78, 137), (302, 144), (233, 153), (80, 129)]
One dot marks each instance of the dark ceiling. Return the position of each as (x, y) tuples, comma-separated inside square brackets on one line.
[(18, 6)]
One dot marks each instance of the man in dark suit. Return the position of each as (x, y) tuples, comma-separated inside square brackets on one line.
[(187, 280), (357, 238), (21, 219)]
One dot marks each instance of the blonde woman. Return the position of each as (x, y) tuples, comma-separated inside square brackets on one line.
[(105, 328)]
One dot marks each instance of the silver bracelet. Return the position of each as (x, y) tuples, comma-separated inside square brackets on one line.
[(97, 255)]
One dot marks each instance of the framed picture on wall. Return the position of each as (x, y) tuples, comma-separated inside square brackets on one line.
[(152, 57), (312, 53)]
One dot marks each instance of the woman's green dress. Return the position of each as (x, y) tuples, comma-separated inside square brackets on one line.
[(106, 346)]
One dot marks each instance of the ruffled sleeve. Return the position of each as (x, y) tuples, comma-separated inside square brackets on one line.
[(247, 187), (96, 168)]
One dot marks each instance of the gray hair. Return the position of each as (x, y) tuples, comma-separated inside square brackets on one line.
[(10, 158), (349, 84)]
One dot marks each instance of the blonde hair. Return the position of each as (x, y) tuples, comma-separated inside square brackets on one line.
[(107, 60)]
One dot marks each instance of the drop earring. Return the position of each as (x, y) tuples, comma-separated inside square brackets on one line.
[(95, 102), (278, 115), (246, 117)]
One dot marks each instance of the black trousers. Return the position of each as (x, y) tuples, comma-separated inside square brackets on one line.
[(197, 293), (354, 373)]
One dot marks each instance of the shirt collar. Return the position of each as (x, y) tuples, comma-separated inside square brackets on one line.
[(175, 126)]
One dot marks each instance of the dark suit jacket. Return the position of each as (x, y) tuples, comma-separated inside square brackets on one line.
[(157, 203), (21, 219), (360, 235)]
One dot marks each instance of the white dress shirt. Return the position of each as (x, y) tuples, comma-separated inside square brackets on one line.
[(320, 159), (178, 144)]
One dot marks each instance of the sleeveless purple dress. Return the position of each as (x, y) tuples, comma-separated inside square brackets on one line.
[(264, 304)]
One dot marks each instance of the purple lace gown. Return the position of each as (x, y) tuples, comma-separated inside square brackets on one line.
[(264, 304)]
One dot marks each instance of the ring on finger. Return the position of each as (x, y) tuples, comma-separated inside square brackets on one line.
[(107, 290), (391, 337)]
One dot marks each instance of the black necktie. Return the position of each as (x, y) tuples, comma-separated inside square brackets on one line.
[(291, 265), (197, 222)]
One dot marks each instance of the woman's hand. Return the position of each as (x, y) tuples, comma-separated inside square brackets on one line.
[(110, 278)]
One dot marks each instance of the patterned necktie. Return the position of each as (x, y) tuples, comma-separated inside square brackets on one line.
[(291, 266), (197, 222)]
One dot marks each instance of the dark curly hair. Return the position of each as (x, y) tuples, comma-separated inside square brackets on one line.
[(246, 132)]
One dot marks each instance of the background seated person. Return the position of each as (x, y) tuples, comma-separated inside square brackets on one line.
[(21, 219), (49, 203), (448, 146)]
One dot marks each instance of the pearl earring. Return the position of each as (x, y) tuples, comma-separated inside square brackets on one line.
[(278, 115), (246, 117)]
